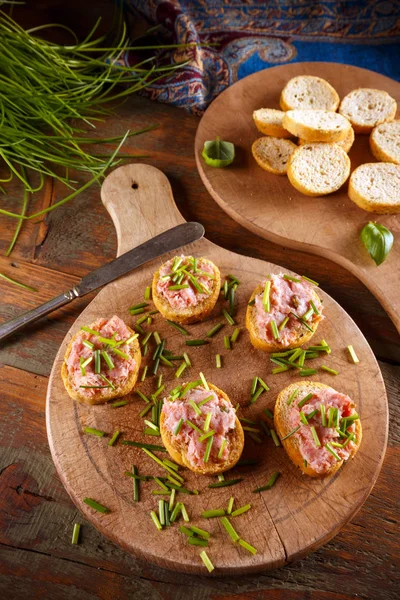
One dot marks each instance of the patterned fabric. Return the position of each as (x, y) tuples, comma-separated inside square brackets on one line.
[(246, 36)]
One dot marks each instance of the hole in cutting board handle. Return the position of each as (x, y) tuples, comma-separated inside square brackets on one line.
[(135, 185)]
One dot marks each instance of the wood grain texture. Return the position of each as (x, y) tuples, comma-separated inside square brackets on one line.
[(270, 207), (297, 515)]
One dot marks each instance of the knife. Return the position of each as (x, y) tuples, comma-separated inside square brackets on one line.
[(165, 242)]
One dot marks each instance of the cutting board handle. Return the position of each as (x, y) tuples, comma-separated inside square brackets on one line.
[(140, 202)]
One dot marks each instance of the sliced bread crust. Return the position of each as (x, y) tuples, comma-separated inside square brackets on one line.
[(316, 125), (366, 107), (345, 144), (318, 169), (307, 91), (272, 154), (375, 187), (178, 451), (292, 443), (384, 142), (269, 122)]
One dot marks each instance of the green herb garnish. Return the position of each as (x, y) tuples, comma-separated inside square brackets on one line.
[(218, 153), (378, 241)]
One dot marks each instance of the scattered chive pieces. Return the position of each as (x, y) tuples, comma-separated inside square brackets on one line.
[(166, 361), (275, 437), (228, 317), (310, 280), (214, 330), (184, 513), (156, 337), (208, 449), (315, 436), (254, 384), (207, 421), (145, 446), (303, 418), (107, 359), (304, 400), (307, 372), (140, 305), (94, 431), (265, 300), (109, 383), (147, 337), (97, 387), (290, 278), (145, 411), (205, 401), (293, 430), (88, 344), (323, 414), (114, 438), (194, 406), (229, 528), (193, 426), (241, 510), (274, 330), (227, 342), (332, 451), (180, 369), (142, 319), (201, 532), (230, 505), (161, 511), (156, 520), (143, 377), (353, 355), (206, 560), (279, 370), (119, 403), (197, 541), (204, 381), (222, 448), (210, 514), (136, 311), (227, 483), (302, 321), (292, 396), (147, 293), (315, 309), (257, 395), (196, 342), (178, 327), (142, 396), (329, 370), (187, 359), (75, 533), (282, 325), (247, 546), (264, 385), (96, 355), (327, 349), (186, 531), (302, 357), (178, 427), (235, 335), (96, 505), (270, 483), (121, 354), (268, 413)]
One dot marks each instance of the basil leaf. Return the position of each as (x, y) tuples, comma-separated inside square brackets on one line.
[(218, 153), (378, 240)]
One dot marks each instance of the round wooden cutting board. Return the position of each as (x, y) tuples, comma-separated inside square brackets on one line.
[(271, 207), (298, 514)]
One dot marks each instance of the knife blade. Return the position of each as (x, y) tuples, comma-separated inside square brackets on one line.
[(169, 240)]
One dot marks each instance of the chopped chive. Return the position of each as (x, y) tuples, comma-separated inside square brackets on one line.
[(279, 370), (75, 533), (275, 437), (152, 426), (88, 344), (303, 418), (208, 449), (241, 510), (233, 279), (292, 396), (176, 511), (329, 370), (120, 353), (114, 438), (180, 369), (161, 492), (274, 329), (254, 384), (310, 355), (302, 321), (159, 381), (247, 546), (186, 531), (98, 387), (96, 505), (173, 486), (210, 514), (215, 330), (310, 280), (157, 338), (195, 407), (178, 427), (178, 327), (315, 436), (182, 286), (206, 435), (265, 428), (252, 302), (143, 377), (189, 386), (197, 541), (147, 337), (229, 528), (243, 420), (270, 483), (255, 437), (147, 293), (320, 348), (308, 314), (295, 354), (292, 432), (290, 278), (222, 448), (120, 403), (184, 513), (82, 368), (150, 431), (140, 305), (268, 413), (207, 421), (142, 396), (282, 325), (204, 381), (263, 384), (226, 483), (96, 355), (201, 532), (193, 426), (353, 417), (161, 511), (256, 395), (353, 355), (351, 437), (166, 361), (161, 484), (228, 317), (142, 319), (227, 342), (327, 350), (315, 309), (307, 372), (305, 399), (136, 311), (156, 520), (186, 359), (265, 299), (231, 300), (218, 363), (206, 560), (312, 414), (94, 431), (322, 408), (196, 342), (336, 445), (138, 328), (205, 400), (145, 446), (230, 505), (331, 414), (159, 390), (109, 383), (302, 357), (332, 451), (136, 485)]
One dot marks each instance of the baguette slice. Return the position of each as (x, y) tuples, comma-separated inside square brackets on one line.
[(345, 144), (307, 91), (318, 169), (178, 451), (384, 142), (272, 154), (292, 443), (106, 395), (269, 122), (316, 125), (375, 187), (189, 314), (365, 108)]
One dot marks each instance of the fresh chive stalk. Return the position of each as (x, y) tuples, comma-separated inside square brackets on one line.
[(96, 505), (214, 330), (226, 483), (353, 355), (119, 403), (93, 431), (241, 510), (156, 520), (247, 546), (230, 529), (114, 438), (206, 560), (315, 436), (196, 342), (218, 362), (230, 505), (211, 514), (329, 370), (275, 437), (270, 483), (228, 317)]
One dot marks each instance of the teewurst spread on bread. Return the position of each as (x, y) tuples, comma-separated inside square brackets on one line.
[(101, 359)]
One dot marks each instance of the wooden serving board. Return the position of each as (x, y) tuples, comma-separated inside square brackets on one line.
[(294, 517), (271, 207)]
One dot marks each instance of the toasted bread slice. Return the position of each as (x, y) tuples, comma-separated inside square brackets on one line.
[(178, 450), (272, 153), (384, 142), (269, 122), (307, 91), (188, 314), (103, 395), (366, 108), (375, 187), (318, 169), (316, 125), (303, 335), (292, 443), (345, 144)]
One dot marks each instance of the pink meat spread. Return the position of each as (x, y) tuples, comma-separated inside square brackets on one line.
[(285, 297), (122, 367), (222, 422), (189, 296), (319, 458)]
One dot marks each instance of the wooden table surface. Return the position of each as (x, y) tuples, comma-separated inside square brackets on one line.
[(37, 515)]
